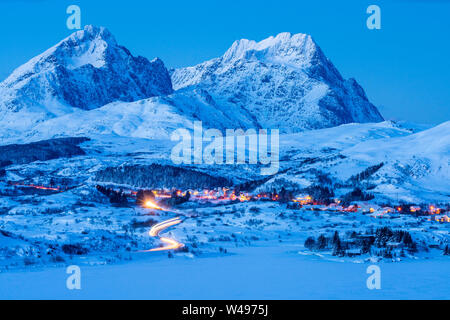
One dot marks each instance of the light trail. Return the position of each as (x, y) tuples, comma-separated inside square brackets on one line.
[(157, 228), (172, 245), (35, 186)]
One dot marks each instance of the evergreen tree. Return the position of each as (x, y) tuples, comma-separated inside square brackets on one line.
[(387, 253), (310, 243), (402, 253), (412, 248), (337, 246), (366, 247), (336, 238), (321, 242)]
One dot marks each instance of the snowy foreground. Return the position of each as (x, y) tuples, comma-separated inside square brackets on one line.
[(252, 273), (232, 250), (235, 252)]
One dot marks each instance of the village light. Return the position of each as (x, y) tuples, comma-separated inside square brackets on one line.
[(151, 205)]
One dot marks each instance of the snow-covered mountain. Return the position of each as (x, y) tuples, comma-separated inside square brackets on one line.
[(285, 81), (86, 70)]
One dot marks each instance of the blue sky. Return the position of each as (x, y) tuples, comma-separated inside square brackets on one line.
[(404, 67)]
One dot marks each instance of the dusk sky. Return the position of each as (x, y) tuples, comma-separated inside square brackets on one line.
[(404, 67)]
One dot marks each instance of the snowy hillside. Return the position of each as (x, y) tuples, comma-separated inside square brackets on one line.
[(413, 167), (284, 81), (416, 166), (152, 118), (84, 71)]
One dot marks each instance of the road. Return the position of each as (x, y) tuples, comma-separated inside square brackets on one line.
[(158, 228)]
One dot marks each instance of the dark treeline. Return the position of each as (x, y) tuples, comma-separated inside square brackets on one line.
[(365, 174), (160, 176), (382, 242), (115, 197), (356, 195), (41, 151), (251, 185), (176, 199), (320, 193)]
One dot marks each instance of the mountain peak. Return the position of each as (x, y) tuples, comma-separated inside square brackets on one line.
[(298, 48), (89, 33), (86, 70), (284, 81)]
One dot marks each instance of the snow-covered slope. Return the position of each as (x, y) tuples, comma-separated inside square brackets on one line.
[(285, 81), (416, 166), (410, 167), (152, 118), (85, 71)]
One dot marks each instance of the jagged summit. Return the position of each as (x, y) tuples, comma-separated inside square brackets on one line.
[(285, 81), (295, 48), (90, 42), (86, 70)]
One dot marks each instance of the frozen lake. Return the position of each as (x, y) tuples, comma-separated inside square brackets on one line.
[(252, 273)]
